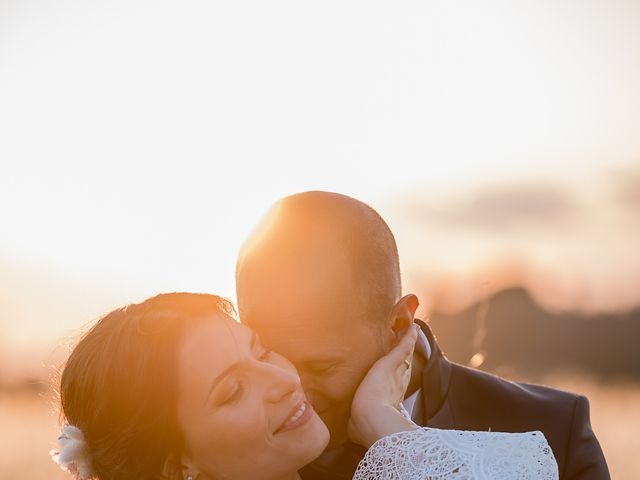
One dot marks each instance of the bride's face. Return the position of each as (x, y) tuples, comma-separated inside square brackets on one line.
[(241, 408)]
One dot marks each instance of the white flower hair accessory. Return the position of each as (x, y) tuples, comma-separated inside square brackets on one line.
[(74, 454)]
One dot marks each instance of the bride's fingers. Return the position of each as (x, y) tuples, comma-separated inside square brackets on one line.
[(402, 354)]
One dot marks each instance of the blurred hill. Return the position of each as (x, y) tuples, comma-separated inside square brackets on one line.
[(509, 333)]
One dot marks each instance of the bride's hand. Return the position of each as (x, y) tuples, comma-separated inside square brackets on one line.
[(374, 410)]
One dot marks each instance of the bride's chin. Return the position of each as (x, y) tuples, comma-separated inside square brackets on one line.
[(316, 440), (323, 435)]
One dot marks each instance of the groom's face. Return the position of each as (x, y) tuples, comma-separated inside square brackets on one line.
[(314, 316)]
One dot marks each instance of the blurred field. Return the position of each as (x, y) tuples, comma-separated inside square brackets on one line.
[(29, 431), (29, 428)]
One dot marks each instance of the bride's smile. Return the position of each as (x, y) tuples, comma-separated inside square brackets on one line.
[(303, 412)]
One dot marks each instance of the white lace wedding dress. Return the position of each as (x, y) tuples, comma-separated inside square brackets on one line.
[(433, 454)]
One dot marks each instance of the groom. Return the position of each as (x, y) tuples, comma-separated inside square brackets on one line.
[(320, 282)]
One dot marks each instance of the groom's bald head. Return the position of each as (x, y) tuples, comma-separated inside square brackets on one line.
[(320, 237), (319, 281)]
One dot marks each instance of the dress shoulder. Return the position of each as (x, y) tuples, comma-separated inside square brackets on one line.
[(435, 454)]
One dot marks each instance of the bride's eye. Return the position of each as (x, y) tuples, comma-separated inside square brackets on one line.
[(233, 395)]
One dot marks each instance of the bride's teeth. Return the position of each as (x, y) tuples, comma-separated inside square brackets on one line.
[(297, 415)]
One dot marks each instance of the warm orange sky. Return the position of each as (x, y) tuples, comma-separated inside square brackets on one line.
[(140, 140)]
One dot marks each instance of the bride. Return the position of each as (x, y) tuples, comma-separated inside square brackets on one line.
[(174, 388)]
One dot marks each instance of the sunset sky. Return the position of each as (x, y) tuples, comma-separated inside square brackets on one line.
[(140, 141)]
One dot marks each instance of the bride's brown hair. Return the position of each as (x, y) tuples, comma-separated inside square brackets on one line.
[(119, 385)]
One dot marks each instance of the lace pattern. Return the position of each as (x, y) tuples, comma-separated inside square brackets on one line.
[(434, 454)]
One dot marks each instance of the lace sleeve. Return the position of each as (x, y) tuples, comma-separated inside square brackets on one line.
[(433, 454)]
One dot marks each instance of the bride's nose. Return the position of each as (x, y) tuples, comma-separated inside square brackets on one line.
[(278, 382)]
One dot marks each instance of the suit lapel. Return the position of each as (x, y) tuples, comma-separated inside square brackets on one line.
[(436, 377)]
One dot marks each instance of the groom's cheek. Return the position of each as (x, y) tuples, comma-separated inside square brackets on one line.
[(344, 388), (315, 391)]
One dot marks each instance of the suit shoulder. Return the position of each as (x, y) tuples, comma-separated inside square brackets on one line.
[(493, 390), (481, 401)]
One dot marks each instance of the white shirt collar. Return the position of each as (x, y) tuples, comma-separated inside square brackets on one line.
[(413, 401)]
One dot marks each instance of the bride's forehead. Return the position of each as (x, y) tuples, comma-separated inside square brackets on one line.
[(210, 347)]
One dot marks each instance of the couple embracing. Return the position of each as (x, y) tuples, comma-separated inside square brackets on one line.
[(327, 375)]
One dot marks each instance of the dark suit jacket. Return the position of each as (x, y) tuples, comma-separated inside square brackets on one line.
[(461, 398)]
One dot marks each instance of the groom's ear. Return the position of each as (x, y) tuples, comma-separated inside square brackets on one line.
[(403, 313)]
